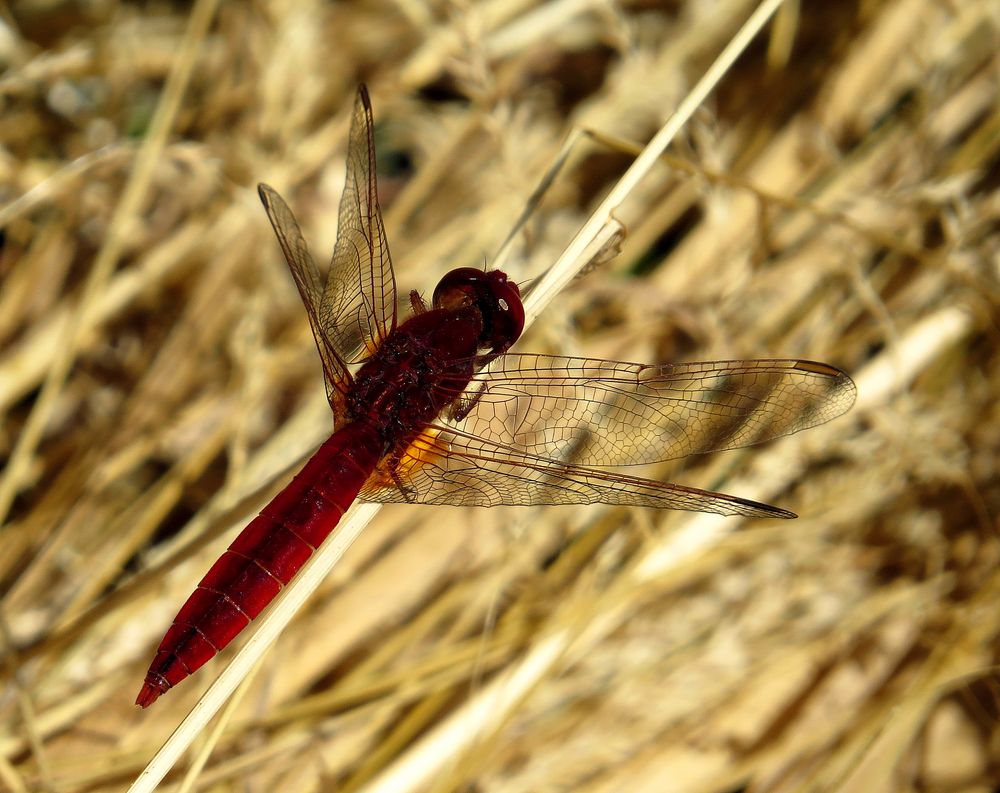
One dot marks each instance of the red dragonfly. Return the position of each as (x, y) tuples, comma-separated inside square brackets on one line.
[(528, 429)]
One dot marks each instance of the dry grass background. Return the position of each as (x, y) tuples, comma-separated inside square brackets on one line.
[(835, 199)]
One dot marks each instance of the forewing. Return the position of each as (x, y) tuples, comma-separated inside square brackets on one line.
[(358, 309), (607, 413), (307, 280), (444, 466)]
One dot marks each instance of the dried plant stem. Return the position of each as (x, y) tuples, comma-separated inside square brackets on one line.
[(832, 200), (490, 708), (481, 716), (425, 762), (572, 259), (135, 190), (191, 778), (262, 636), (561, 273), (878, 382)]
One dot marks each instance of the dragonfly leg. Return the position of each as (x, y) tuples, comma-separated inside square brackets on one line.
[(408, 492), (417, 302), (462, 406)]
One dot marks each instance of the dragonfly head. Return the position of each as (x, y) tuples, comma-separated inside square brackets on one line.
[(497, 298)]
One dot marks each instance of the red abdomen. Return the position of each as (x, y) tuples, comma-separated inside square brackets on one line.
[(268, 552)]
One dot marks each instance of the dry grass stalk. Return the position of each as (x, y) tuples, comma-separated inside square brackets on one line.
[(835, 199)]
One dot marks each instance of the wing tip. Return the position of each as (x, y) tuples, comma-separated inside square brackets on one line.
[(824, 370), (756, 509), (841, 384), (820, 368), (364, 98)]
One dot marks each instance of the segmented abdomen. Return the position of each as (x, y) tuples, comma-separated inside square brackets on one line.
[(265, 556)]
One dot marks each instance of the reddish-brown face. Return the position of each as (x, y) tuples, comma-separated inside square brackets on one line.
[(497, 298)]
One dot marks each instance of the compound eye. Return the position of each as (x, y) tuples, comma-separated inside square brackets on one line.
[(502, 311), (458, 289), (509, 315)]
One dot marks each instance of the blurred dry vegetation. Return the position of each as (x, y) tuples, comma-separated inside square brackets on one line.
[(835, 199)]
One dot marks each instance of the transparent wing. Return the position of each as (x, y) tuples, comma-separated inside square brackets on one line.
[(608, 413), (445, 466), (307, 279), (358, 309)]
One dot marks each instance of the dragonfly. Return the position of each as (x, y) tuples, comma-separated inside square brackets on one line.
[(437, 410)]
